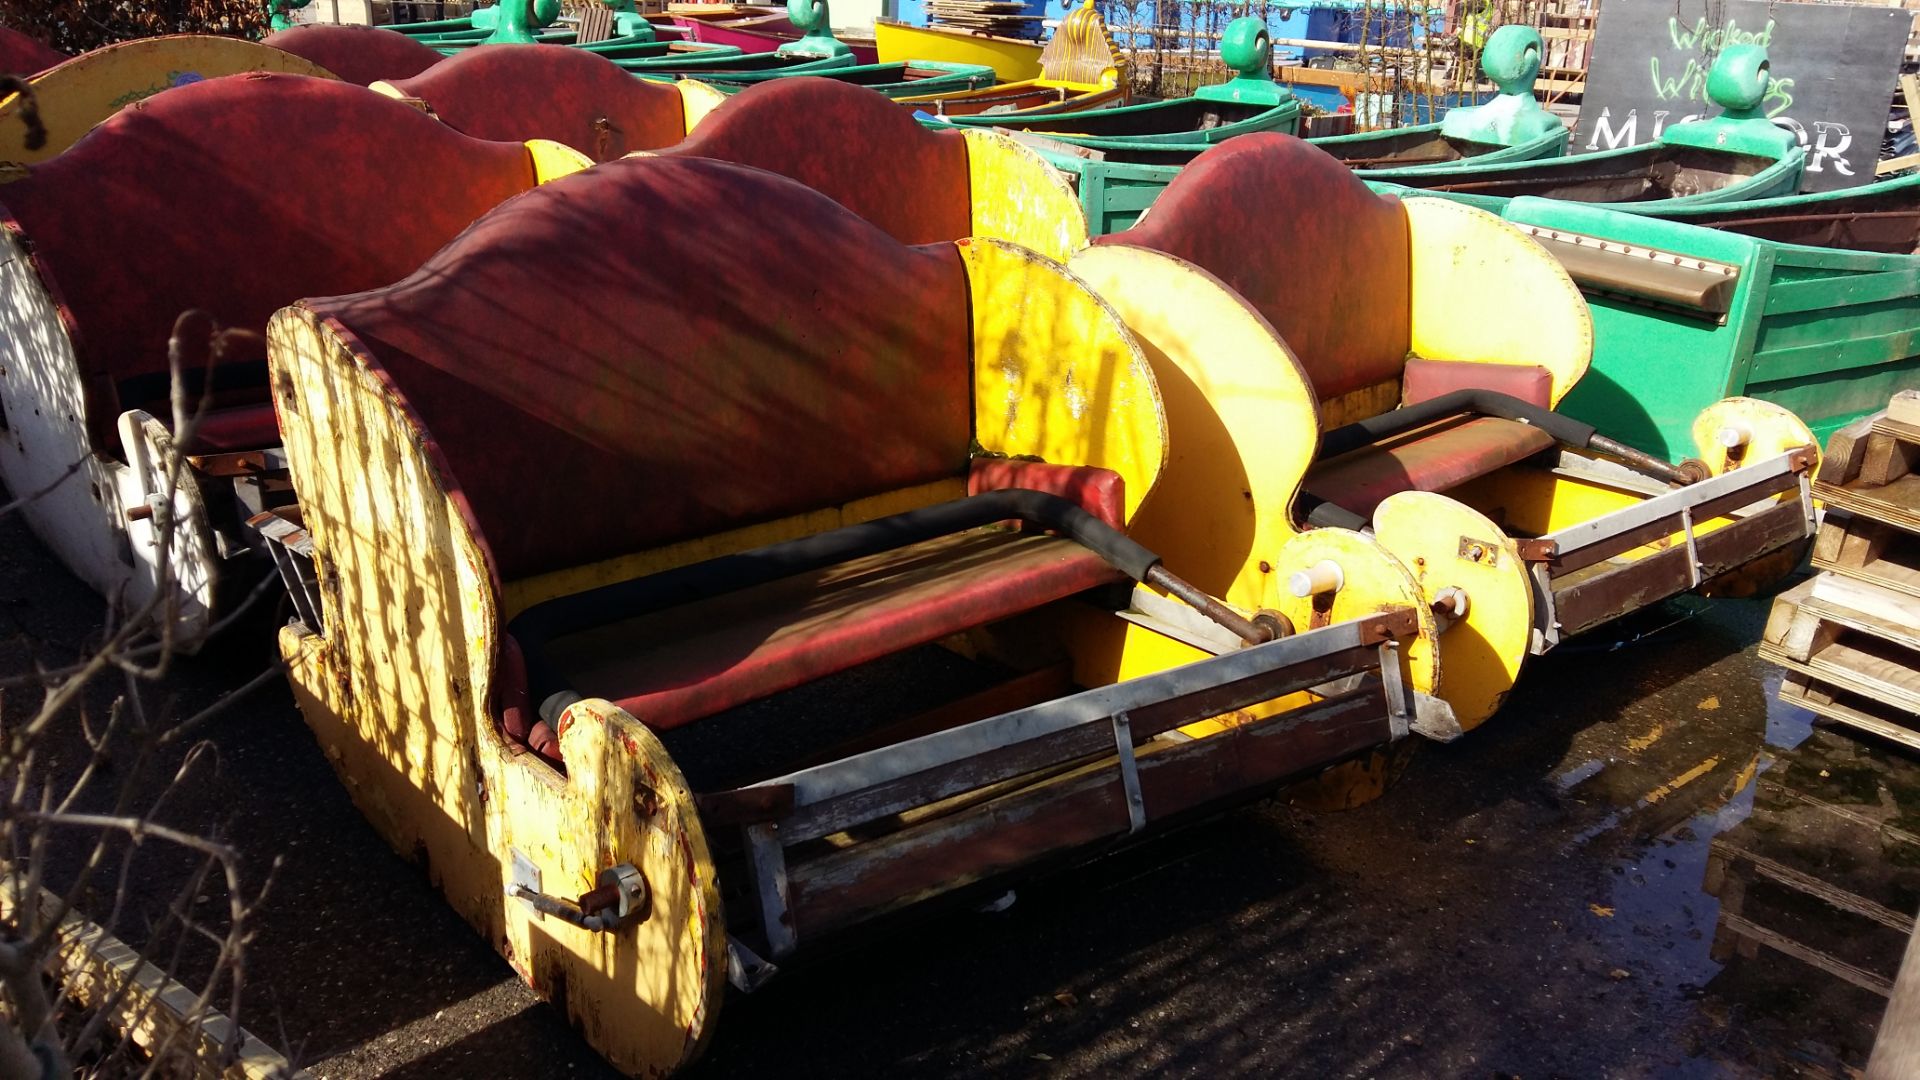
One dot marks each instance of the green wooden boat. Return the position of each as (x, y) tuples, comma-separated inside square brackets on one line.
[(1809, 301), (1737, 155), (899, 79), (1250, 101), (1116, 183)]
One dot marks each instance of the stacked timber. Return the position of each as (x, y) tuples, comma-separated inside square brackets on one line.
[(995, 18), (1849, 636)]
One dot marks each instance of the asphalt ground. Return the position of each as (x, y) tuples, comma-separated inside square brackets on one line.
[(1526, 902)]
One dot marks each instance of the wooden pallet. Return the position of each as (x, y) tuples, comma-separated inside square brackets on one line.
[(1842, 633), (1870, 466), (1868, 551), (1848, 709)]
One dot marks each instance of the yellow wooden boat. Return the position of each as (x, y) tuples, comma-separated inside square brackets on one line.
[(1012, 59), (1079, 69)]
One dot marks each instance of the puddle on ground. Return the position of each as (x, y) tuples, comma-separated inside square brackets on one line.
[(1779, 903)]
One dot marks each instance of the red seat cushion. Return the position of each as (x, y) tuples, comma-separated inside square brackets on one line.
[(1433, 458), (676, 666), (1425, 379), (243, 427)]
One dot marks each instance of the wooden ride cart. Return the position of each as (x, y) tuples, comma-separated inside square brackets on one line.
[(1080, 69), (207, 207), (24, 55), (1807, 301), (74, 96), (585, 101), (920, 186), (1250, 101), (600, 611), (1739, 154), (1117, 184), (1390, 438), (361, 55)]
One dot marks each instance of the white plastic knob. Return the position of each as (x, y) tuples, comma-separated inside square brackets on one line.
[(1733, 436), (1324, 576)]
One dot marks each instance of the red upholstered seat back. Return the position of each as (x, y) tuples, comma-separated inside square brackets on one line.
[(596, 384), (851, 144), (519, 92), (237, 196), (358, 54), (1291, 230), (23, 55)]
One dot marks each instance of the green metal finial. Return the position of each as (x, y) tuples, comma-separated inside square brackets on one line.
[(1246, 50), (517, 22), (817, 38), (1737, 83), (280, 8), (1512, 60)]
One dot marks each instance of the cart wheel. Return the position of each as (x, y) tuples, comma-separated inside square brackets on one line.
[(1449, 545)]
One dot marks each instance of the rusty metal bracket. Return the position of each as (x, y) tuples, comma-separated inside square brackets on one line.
[(1129, 772), (1479, 551), (1537, 551), (745, 806)]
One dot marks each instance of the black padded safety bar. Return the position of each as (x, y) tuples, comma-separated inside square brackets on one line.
[(1472, 402)]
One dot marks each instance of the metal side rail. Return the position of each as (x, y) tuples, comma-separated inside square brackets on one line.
[(843, 842), (1580, 581)]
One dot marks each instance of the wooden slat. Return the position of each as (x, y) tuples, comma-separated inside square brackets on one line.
[(1815, 697), (1858, 664)]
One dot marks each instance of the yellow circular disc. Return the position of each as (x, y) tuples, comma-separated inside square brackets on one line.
[(1445, 544), (1375, 580)]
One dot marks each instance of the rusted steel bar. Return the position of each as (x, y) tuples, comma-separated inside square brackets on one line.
[(835, 796), (1608, 596), (1243, 628), (847, 887), (1667, 524)]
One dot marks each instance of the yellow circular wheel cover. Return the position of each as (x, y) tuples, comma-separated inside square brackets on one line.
[(1447, 544)]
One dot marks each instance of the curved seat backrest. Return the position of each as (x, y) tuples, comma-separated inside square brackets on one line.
[(852, 145), (1299, 237), (357, 54), (236, 196), (571, 96), (23, 55), (595, 384)]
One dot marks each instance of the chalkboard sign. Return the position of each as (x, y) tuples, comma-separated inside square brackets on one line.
[(1834, 67)]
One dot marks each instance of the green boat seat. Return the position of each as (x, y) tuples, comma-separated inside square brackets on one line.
[(1438, 458), (361, 55), (207, 204), (570, 96)]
